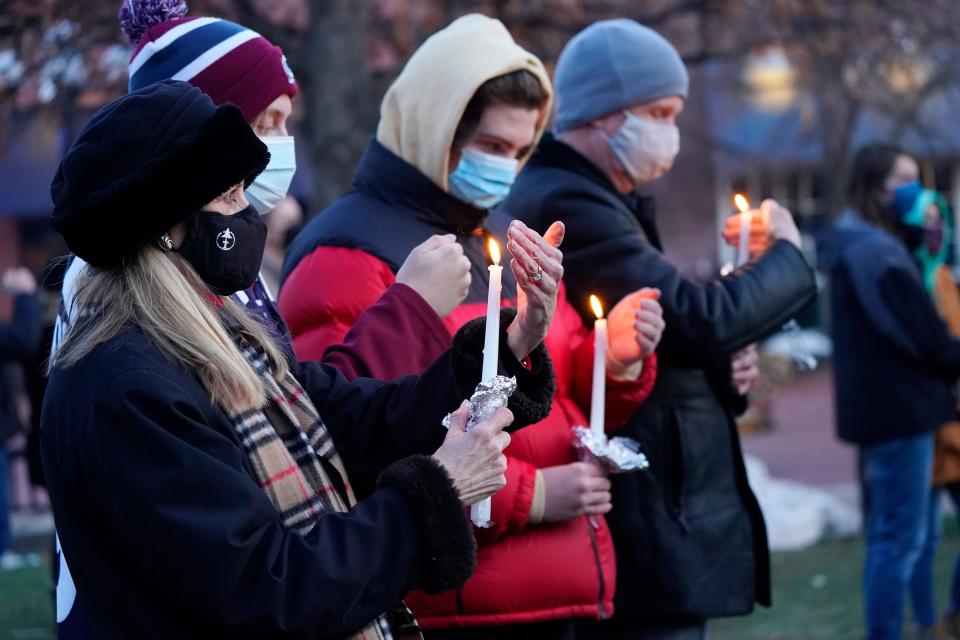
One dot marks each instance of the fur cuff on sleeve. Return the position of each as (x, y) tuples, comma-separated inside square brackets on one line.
[(531, 401), (451, 550)]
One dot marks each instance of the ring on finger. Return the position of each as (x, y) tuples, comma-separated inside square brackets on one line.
[(537, 276)]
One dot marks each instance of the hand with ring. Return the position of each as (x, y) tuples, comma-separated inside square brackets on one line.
[(537, 265)]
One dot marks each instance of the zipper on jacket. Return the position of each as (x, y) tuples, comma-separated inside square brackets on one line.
[(592, 526)]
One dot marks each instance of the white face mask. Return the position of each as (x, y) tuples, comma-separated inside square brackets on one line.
[(645, 149), (271, 186)]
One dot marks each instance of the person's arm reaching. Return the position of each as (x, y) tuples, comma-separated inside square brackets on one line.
[(326, 293), (374, 423), (347, 305), (704, 322), (391, 337)]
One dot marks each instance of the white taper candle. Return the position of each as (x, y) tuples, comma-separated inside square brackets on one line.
[(480, 512), (491, 339), (598, 391)]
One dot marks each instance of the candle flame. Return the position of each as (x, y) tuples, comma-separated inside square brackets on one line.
[(494, 250), (742, 203), (596, 306)]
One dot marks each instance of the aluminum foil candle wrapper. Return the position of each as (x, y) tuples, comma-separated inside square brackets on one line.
[(625, 454), (617, 455), (486, 399)]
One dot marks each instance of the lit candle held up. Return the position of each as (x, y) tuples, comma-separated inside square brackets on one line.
[(480, 512), (491, 339), (599, 389), (746, 222)]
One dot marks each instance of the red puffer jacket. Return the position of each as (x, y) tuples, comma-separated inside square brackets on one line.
[(337, 267)]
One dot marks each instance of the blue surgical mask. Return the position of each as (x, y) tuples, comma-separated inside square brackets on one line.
[(271, 186), (483, 179), (903, 201)]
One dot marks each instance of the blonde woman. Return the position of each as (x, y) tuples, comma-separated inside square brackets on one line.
[(201, 481)]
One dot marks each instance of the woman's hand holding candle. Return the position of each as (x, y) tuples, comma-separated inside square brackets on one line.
[(474, 459), (537, 265), (635, 327)]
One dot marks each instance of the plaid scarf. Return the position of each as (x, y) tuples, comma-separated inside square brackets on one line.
[(294, 457)]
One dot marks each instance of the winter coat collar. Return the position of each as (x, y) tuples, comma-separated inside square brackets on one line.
[(388, 177), (555, 153)]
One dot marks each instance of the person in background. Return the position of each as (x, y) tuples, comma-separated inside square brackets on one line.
[(201, 479), (946, 454), (458, 123), (18, 340), (52, 269), (690, 537), (921, 219), (895, 368)]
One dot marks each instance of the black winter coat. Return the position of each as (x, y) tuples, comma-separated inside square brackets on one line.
[(167, 533), (689, 533), (894, 362)]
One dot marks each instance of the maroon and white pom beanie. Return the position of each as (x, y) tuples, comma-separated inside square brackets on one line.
[(228, 62)]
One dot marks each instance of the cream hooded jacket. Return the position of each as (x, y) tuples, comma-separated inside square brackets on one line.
[(348, 256), (421, 111)]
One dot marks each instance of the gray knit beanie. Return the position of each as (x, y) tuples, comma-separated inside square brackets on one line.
[(611, 65)]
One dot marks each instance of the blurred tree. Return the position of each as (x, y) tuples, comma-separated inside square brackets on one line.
[(881, 56), (65, 58)]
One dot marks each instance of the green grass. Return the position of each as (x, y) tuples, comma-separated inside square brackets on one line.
[(817, 593), (817, 596), (26, 604)]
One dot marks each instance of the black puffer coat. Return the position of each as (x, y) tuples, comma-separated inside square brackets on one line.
[(689, 534)]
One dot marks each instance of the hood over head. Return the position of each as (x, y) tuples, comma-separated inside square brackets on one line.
[(421, 110)]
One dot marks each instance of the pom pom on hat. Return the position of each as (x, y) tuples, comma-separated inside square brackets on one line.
[(136, 16)]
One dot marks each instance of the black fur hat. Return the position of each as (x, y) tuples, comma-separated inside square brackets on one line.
[(145, 162)]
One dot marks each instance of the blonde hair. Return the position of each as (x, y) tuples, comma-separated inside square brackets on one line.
[(161, 294)]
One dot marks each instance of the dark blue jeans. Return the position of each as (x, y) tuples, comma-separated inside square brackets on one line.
[(5, 530), (953, 606), (921, 583), (896, 477)]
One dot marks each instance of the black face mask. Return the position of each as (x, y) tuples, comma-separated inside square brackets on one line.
[(226, 251)]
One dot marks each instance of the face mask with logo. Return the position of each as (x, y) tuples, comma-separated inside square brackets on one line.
[(226, 251), (645, 149), (483, 179), (271, 186)]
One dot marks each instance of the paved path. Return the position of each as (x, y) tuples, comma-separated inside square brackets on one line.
[(801, 443)]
